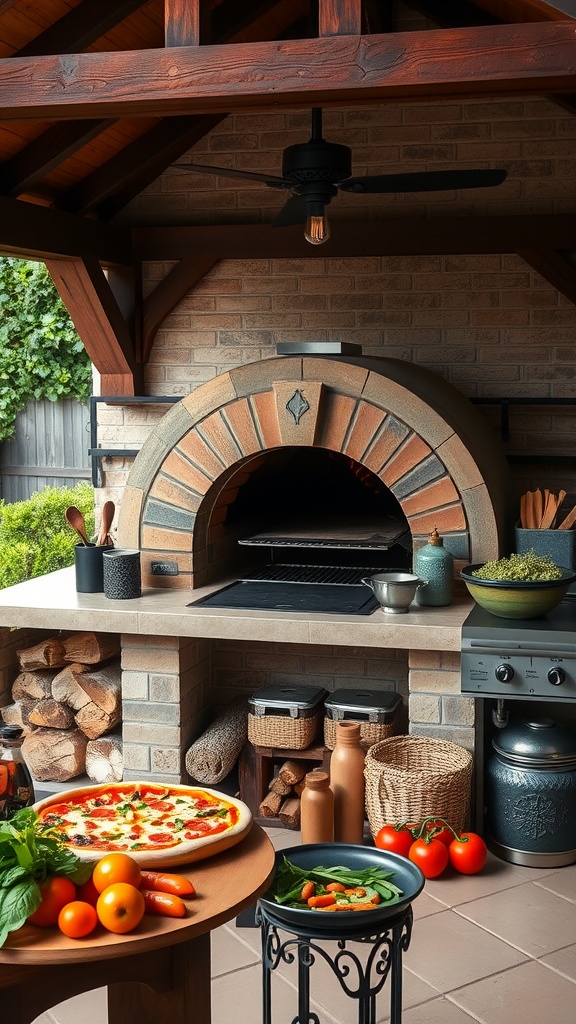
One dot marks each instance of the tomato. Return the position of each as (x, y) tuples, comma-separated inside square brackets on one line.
[(431, 857), (120, 907), (77, 919), (394, 840), (56, 892), (116, 867), (88, 893), (468, 854), (444, 835)]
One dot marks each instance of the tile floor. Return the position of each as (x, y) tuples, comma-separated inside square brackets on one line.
[(498, 948)]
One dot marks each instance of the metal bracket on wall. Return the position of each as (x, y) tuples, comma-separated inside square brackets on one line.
[(505, 404), (95, 452)]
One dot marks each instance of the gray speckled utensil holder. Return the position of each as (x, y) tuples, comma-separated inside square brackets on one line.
[(122, 577), (89, 568)]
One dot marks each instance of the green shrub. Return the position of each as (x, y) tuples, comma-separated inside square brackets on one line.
[(35, 537)]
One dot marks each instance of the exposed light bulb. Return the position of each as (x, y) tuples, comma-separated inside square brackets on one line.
[(317, 229)]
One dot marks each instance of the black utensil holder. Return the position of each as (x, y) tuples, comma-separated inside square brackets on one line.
[(89, 568)]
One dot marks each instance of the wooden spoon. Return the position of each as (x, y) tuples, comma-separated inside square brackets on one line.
[(76, 520), (108, 510)]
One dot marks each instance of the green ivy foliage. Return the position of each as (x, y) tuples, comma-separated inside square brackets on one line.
[(35, 537), (41, 355)]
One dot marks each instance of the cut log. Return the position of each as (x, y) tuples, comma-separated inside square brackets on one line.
[(270, 805), (47, 654), (299, 786), (51, 714), (104, 760), (19, 714), (292, 771), (94, 694), (278, 785), (290, 813), (55, 755), (33, 685), (91, 648)]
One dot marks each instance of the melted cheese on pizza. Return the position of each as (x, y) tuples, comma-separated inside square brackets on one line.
[(137, 817)]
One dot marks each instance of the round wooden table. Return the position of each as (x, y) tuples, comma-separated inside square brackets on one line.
[(158, 974)]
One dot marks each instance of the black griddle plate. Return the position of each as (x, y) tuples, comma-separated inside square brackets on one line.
[(297, 597)]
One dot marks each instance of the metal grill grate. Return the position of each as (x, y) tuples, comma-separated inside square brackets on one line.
[(347, 576)]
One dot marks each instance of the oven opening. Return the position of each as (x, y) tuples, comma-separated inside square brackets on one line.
[(308, 524)]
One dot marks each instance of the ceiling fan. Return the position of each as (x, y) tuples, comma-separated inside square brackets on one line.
[(315, 171)]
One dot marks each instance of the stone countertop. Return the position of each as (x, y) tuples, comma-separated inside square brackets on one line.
[(52, 602)]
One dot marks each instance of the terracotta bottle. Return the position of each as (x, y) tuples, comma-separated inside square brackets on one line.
[(347, 784), (317, 809), (16, 786)]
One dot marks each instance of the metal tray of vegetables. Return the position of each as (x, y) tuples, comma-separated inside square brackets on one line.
[(395, 880)]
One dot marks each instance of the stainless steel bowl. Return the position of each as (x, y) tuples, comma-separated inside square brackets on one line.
[(395, 590)]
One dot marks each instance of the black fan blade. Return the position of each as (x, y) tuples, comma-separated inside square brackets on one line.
[(424, 181), (293, 212), (229, 172)]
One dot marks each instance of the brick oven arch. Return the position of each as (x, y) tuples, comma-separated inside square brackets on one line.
[(416, 433)]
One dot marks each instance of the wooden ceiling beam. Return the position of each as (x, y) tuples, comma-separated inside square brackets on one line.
[(494, 60), (83, 25), (100, 323), (390, 236), (554, 267), (45, 152), (339, 17), (36, 232), (529, 10), (182, 21), (109, 188)]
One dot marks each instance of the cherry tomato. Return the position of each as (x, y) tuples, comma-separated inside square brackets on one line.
[(394, 840), (77, 919), (444, 835), (468, 853), (120, 907), (56, 892), (431, 857)]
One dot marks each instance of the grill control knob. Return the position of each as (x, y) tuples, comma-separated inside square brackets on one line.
[(556, 676), (504, 673)]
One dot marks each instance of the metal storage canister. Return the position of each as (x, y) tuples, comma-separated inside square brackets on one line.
[(531, 794), (285, 716), (376, 711)]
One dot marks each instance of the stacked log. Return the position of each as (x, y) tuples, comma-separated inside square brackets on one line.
[(283, 797), (67, 699)]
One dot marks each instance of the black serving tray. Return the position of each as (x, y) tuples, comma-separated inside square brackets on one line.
[(292, 597)]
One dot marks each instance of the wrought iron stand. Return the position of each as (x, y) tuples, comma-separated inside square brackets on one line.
[(387, 939)]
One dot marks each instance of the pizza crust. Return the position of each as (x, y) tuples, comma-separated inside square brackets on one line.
[(187, 851)]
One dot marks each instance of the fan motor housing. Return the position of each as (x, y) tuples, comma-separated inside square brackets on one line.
[(317, 162)]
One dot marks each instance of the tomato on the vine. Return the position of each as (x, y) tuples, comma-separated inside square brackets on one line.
[(441, 831), (431, 856), (468, 853), (394, 840)]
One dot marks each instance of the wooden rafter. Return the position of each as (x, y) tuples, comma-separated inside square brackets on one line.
[(529, 10), (488, 60), (335, 18), (36, 232), (100, 323), (168, 293), (83, 25), (554, 267), (44, 153)]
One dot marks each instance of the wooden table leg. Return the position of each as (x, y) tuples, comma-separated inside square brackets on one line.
[(181, 995), (169, 985)]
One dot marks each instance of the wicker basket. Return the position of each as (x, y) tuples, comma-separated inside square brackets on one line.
[(282, 731), (370, 732), (409, 778)]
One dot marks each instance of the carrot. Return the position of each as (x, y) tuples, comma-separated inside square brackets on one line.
[(308, 890), (159, 881), (350, 906), (355, 892), (335, 887), (325, 900), (163, 903)]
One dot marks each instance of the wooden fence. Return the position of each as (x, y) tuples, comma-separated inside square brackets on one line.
[(48, 449)]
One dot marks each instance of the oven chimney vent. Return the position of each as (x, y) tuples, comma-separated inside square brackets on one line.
[(318, 348)]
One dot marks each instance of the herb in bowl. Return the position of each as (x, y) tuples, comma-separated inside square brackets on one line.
[(333, 888), (528, 566)]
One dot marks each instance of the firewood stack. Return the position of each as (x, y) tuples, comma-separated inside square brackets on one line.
[(68, 700), (283, 797)]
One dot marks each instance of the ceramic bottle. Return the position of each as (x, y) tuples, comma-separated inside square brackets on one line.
[(347, 784), (435, 565), (16, 787), (317, 809)]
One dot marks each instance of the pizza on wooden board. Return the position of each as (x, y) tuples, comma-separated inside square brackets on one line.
[(158, 825)]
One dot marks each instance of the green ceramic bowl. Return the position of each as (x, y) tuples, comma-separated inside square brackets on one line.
[(517, 599)]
